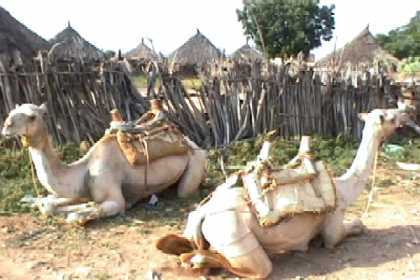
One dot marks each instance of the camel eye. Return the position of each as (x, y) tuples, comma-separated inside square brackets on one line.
[(382, 118), (393, 119), (32, 118)]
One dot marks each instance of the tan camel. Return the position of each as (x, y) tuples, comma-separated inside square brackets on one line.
[(241, 245), (103, 175)]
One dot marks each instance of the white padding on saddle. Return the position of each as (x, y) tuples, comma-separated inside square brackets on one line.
[(193, 229), (228, 234), (226, 199)]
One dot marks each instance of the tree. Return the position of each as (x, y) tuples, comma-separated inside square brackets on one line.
[(404, 41), (287, 27), (109, 54)]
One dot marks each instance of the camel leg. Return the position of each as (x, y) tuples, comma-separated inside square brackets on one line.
[(195, 171), (231, 237), (48, 205), (92, 211), (113, 204), (335, 230)]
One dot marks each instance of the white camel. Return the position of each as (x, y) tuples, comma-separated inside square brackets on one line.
[(103, 175), (227, 225)]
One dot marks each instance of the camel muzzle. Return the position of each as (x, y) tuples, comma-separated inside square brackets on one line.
[(5, 133)]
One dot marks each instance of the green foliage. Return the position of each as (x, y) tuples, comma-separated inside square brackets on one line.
[(338, 154), (109, 54), (287, 27), (16, 177), (192, 83), (140, 81), (410, 66), (404, 41)]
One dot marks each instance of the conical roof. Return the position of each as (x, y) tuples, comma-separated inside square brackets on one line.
[(247, 52), (197, 50), (16, 40), (71, 45), (362, 49), (142, 51)]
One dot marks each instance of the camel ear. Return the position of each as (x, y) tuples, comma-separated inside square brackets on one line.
[(363, 116), (43, 108), (16, 106)]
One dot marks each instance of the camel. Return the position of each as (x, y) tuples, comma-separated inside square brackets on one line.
[(103, 175), (224, 231)]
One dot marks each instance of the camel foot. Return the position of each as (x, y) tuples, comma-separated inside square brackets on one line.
[(355, 228), (81, 214), (46, 205)]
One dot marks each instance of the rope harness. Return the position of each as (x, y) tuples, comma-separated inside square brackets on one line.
[(26, 143)]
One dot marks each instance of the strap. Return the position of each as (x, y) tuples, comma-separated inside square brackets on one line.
[(146, 152)]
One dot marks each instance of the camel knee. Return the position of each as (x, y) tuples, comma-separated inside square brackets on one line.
[(355, 228), (193, 174), (333, 236), (111, 208), (255, 264), (263, 271)]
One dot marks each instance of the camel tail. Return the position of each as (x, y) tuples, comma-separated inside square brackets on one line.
[(195, 171), (409, 166)]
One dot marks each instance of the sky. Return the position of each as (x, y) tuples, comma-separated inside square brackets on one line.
[(169, 23)]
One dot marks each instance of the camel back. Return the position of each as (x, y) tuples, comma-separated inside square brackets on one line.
[(317, 195), (139, 148)]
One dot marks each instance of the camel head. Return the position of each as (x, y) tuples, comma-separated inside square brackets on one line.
[(26, 120), (382, 123)]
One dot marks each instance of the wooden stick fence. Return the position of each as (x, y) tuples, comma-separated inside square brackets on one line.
[(232, 106), (234, 103), (79, 96)]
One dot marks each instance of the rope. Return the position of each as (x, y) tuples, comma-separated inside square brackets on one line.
[(34, 181), (146, 152), (26, 142)]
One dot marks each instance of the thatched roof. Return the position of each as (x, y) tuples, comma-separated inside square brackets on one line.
[(16, 40), (247, 52), (70, 45), (364, 49), (142, 51), (197, 50)]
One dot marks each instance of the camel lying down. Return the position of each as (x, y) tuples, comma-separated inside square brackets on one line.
[(226, 232), (103, 176)]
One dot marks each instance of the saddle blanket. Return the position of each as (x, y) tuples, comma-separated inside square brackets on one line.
[(140, 148)]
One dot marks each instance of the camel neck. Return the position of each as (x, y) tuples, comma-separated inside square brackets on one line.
[(353, 182), (50, 169)]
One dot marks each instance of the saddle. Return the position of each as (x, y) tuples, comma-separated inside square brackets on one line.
[(315, 195), (302, 186), (142, 146)]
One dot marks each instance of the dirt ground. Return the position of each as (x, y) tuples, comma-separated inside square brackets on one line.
[(123, 247)]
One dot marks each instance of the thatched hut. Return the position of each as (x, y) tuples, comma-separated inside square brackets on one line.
[(246, 52), (17, 42), (198, 50), (142, 51), (364, 49), (69, 45)]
